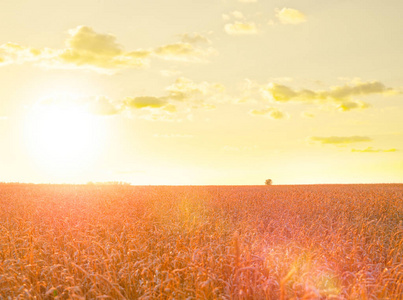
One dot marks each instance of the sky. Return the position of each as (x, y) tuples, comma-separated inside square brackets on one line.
[(212, 92)]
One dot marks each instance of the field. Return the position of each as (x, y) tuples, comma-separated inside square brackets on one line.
[(212, 242)]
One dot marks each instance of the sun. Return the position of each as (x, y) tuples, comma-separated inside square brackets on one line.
[(63, 140)]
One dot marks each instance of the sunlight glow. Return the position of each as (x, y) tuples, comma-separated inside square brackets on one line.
[(62, 139)]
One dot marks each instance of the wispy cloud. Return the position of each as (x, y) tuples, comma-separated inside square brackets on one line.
[(340, 140), (194, 38), (103, 106), (169, 73), (307, 114), (182, 52), (340, 96), (241, 28), (290, 16), (86, 48), (202, 94), (12, 53), (269, 112), (176, 103), (238, 24), (145, 102), (372, 150)]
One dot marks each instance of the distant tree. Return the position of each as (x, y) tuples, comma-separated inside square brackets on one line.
[(268, 182)]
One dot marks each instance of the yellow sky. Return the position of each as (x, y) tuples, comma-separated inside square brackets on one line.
[(201, 92)]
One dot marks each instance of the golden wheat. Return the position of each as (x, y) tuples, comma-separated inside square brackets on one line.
[(246, 242)]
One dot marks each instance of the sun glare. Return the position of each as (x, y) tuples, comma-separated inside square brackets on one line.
[(63, 140)]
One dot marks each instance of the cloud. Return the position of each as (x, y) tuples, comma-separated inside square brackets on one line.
[(290, 16), (186, 95), (249, 91), (144, 107), (182, 52), (85, 39), (372, 150), (167, 113), (340, 140), (241, 28), (233, 15), (15, 53), (180, 98), (86, 48), (349, 105), (308, 115), (145, 101), (194, 38), (203, 94), (270, 112), (340, 96), (103, 106), (175, 104)]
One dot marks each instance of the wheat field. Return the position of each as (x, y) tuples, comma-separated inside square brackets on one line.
[(201, 242)]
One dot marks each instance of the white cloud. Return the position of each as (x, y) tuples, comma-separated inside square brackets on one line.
[(85, 39), (290, 16), (182, 52), (372, 150), (183, 96), (104, 106), (241, 28), (15, 53), (145, 102), (308, 115), (270, 112), (85, 47), (203, 94), (339, 96), (88, 49), (194, 38), (340, 140)]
